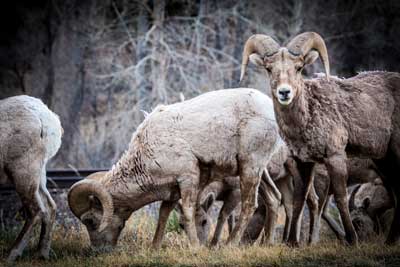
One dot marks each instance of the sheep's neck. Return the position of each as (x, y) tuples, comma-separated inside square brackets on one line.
[(129, 183), (293, 119)]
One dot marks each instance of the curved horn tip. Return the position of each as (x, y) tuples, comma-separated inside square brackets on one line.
[(242, 73), (102, 226)]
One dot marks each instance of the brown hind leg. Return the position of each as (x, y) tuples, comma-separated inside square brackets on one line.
[(249, 181), (333, 224), (165, 209), (337, 170), (230, 203), (188, 186)]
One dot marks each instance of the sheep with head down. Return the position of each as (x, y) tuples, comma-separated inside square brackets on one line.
[(30, 135), (173, 154), (265, 216), (327, 119)]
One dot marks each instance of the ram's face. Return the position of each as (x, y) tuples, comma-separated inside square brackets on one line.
[(285, 74), (203, 223), (107, 238)]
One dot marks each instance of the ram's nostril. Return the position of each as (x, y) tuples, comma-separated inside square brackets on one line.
[(284, 92)]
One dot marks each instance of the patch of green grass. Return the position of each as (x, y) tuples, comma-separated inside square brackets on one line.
[(71, 248), (173, 223)]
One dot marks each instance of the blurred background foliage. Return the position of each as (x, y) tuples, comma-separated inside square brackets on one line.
[(99, 64)]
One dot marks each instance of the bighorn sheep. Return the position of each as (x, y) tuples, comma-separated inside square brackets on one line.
[(227, 191), (360, 171), (175, 152), (325, 119), (368, 203), (30, 135)]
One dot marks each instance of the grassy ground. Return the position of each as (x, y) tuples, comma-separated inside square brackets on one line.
[(70, 248)]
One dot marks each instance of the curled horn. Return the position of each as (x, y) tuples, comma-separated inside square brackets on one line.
[(303, 43), (260, 44), (352, 200), (79, 203)]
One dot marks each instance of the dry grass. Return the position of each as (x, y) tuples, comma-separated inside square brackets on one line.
[(70, 248)]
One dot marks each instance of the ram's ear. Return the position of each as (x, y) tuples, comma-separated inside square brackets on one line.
[(311, 57), (256, 59), (208, 202)]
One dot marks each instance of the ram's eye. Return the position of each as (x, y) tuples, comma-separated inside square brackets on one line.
[(268, 69)]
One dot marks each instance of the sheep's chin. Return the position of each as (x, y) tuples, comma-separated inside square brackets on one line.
[(286, 102)]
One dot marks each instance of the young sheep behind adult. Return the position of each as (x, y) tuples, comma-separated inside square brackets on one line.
[(327, 119), (227, 191), (173, 154), (30, 135)]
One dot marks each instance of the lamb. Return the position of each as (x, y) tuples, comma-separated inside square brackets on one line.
[(174, 153), (30, 135), (327, 119)]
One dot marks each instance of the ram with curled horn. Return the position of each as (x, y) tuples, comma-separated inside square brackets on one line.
[(165, 161), (326, 119)]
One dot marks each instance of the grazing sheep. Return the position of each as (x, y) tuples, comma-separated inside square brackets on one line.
[(30, 135), (228, 192), (174, 153), (368, 203), (360, 171), (327, 119)]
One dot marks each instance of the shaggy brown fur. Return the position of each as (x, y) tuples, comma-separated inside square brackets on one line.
[(30, 135), (356, 118), (325, 120)]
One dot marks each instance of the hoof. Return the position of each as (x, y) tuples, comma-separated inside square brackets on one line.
[(293, 244)]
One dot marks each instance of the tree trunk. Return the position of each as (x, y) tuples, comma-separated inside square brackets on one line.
[(143, 87)]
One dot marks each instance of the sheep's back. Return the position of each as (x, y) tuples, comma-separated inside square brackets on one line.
[(217, 127), (27, 126), (358, 110)]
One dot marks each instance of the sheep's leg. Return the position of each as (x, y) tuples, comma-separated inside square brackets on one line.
[(288, 222), (231, 222), (229, 205), (48, 219), (30, 197), (286, 189), (303, 176), (165, 209), (255, 226), (272, 205), (336, 228), (337, 170), (315, 216), (189, 193), (249, 181)]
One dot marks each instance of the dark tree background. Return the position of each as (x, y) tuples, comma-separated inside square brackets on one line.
[(99, 63)]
